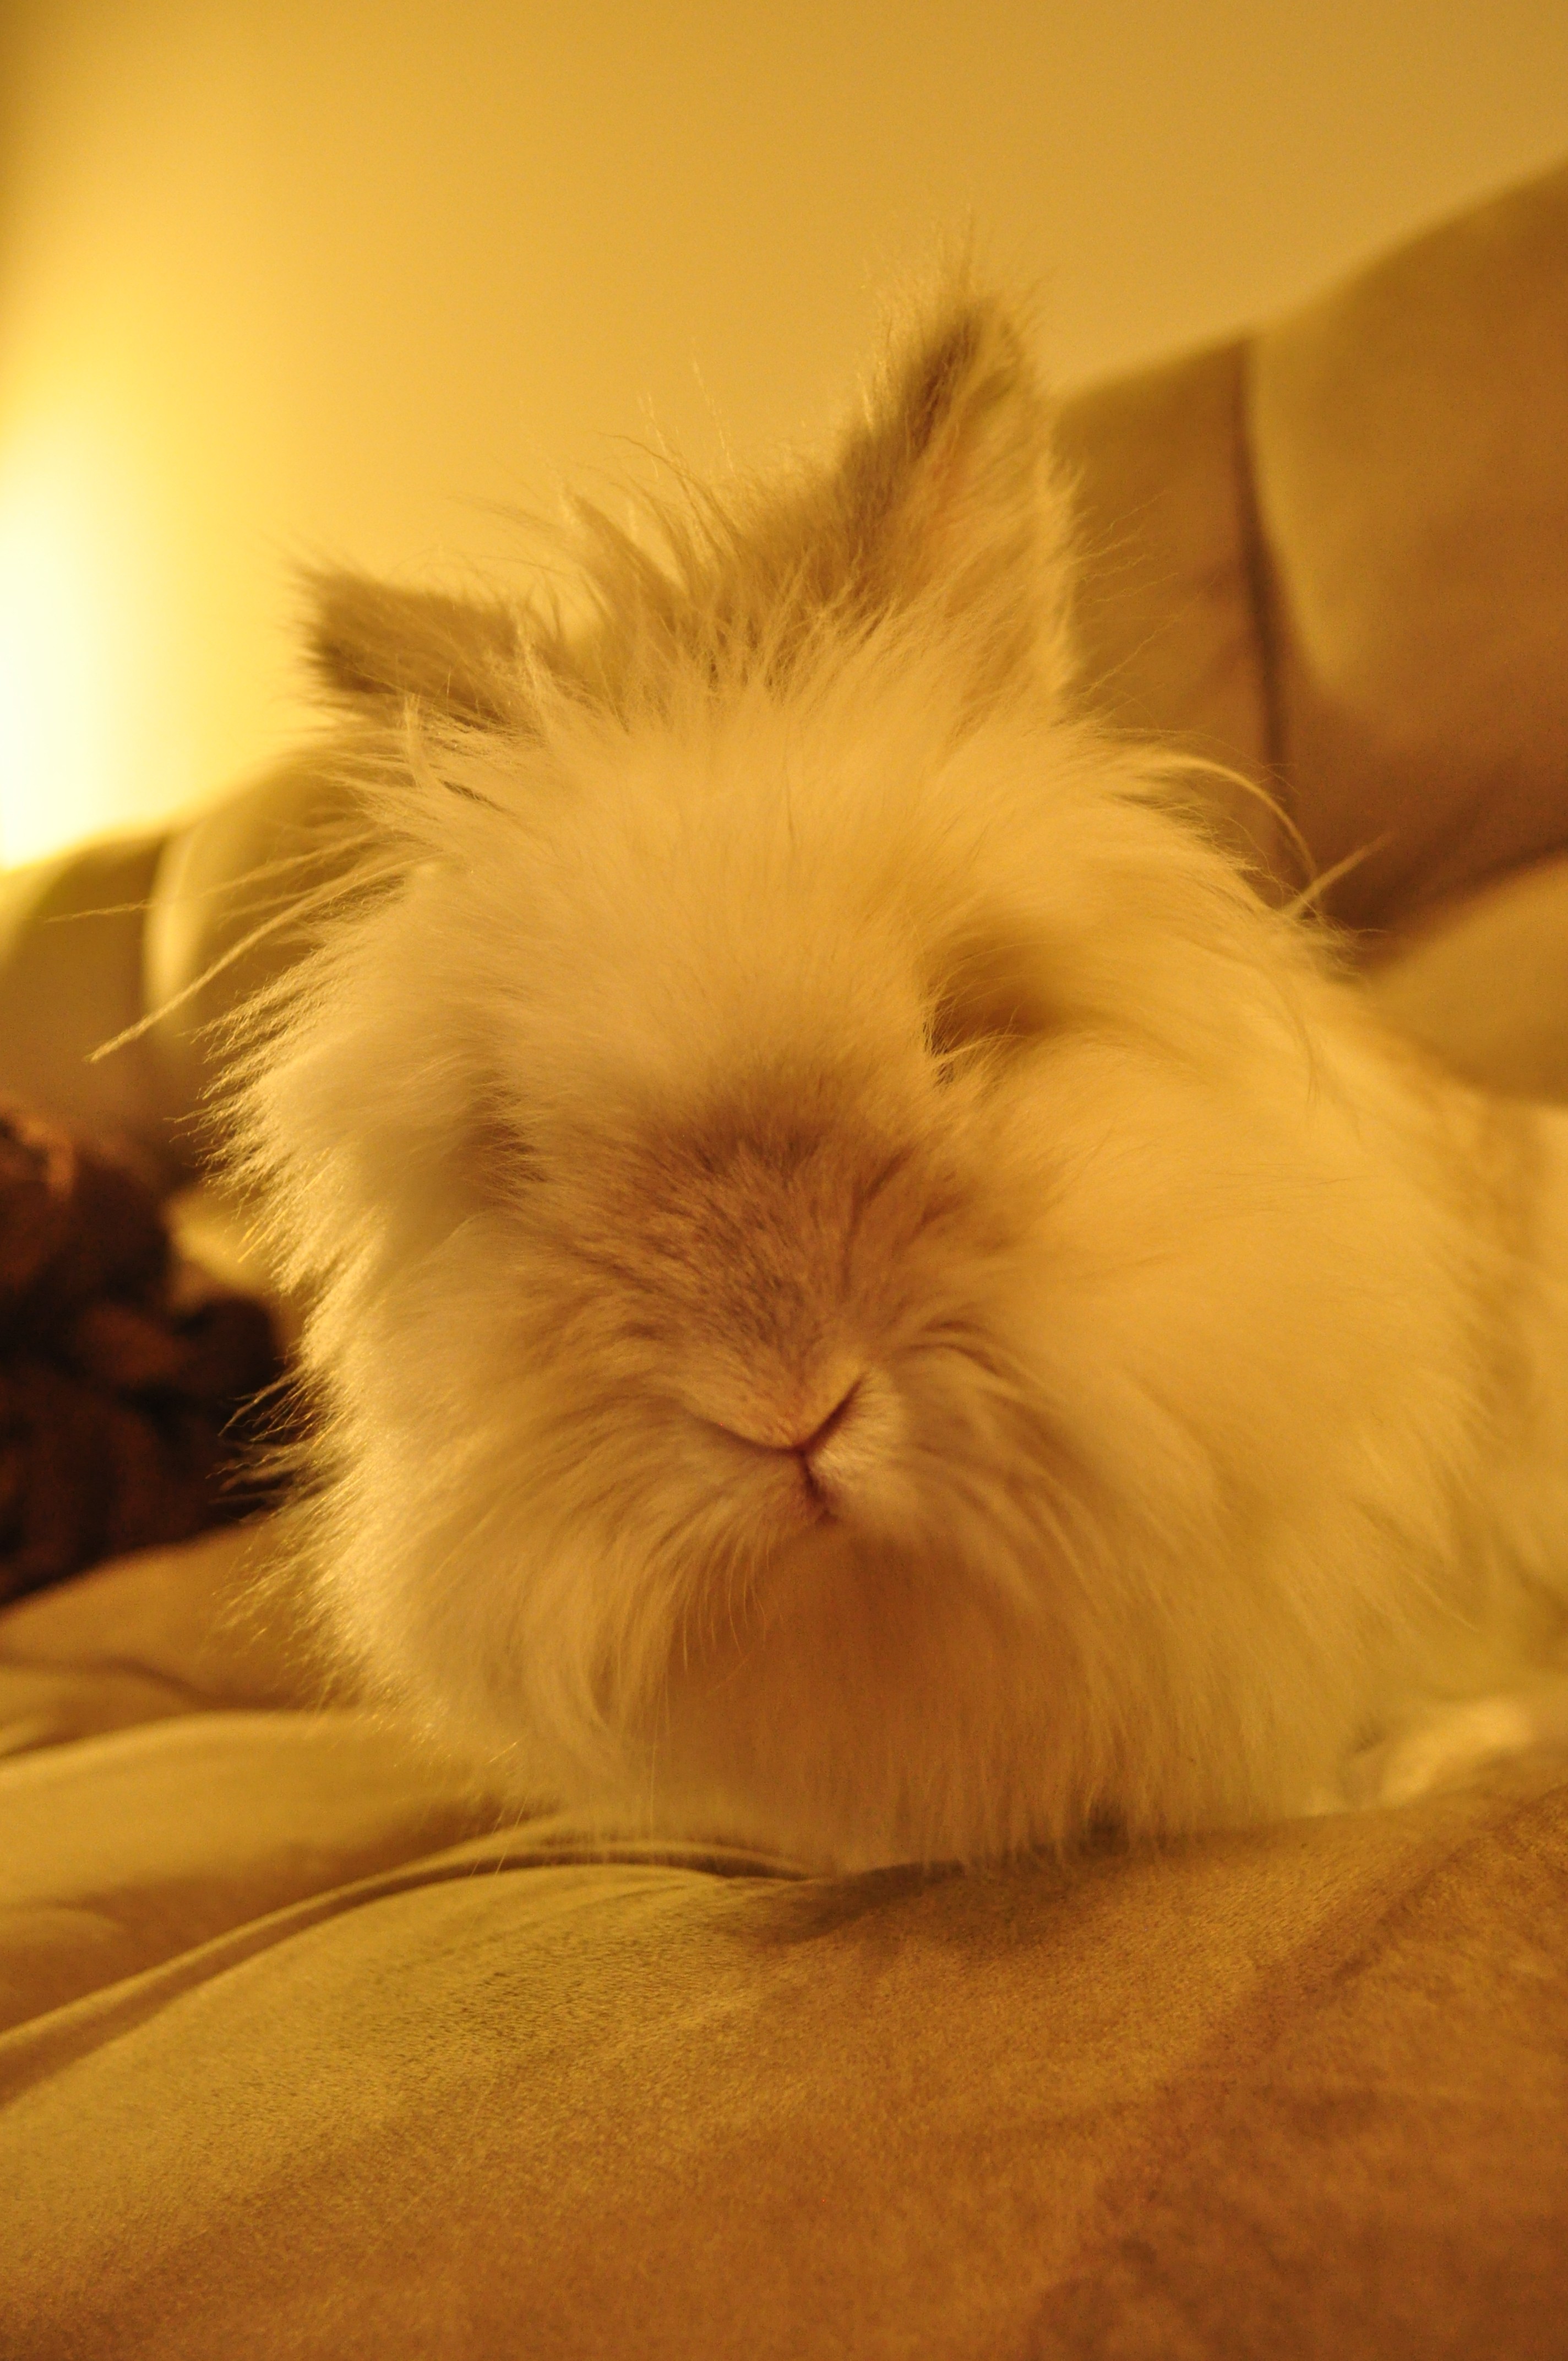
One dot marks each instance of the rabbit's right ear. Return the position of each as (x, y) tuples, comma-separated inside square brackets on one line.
[(946, 498), (381, 646)]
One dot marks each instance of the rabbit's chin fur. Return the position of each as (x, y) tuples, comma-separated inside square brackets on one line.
[(872, 1299)]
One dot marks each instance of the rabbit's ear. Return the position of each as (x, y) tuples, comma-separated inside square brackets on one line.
[(945, 495), (381, 646)]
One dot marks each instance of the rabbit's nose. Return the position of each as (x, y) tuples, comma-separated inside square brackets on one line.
[(790, 1417), (827, 1428)]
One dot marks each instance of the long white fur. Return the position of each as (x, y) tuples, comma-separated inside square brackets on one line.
[(772, 990)]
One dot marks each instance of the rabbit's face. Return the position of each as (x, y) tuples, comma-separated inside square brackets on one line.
[(810, 1243)]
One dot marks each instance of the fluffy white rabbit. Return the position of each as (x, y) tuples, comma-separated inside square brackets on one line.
[(871, 1295)]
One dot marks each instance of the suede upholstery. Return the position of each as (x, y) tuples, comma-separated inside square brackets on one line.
[(306, 2055)]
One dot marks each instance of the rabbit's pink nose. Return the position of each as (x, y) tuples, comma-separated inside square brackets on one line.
[(798, 1428), (827, 1428)]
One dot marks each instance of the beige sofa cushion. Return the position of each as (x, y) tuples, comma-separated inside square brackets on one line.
[(1336, 556)]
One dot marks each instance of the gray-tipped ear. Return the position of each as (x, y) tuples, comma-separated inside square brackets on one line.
[(947, 488), (379, 645)]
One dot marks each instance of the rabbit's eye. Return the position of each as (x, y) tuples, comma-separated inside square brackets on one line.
[(991, 999)]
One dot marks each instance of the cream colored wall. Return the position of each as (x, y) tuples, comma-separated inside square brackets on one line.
[(294, 278)]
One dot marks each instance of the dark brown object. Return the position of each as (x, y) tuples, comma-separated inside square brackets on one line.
[(129, 1392)]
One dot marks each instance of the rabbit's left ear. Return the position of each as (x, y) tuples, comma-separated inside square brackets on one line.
[(381, 646), (947, 498)]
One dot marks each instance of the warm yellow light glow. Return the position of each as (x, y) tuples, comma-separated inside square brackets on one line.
[(57, 645)]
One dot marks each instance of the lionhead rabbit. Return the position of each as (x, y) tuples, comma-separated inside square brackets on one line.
[(871, 1296)]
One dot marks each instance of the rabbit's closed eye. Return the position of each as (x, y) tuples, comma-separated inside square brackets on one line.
[(990, 998)]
